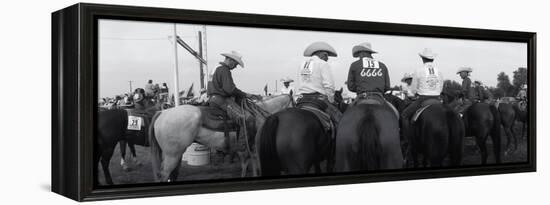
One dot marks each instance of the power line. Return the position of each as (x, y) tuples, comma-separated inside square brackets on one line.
[(134, 39)]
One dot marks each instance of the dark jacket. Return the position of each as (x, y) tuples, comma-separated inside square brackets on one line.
[(479, 93), (368, 76), (467, 89), (223, 85)]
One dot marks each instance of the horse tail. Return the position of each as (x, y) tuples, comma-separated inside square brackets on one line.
[(156, 151), (370, 148), (269, 160), (495, 132), (456, 135)]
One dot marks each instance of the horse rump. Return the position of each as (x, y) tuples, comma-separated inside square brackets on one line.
[(267, 149)]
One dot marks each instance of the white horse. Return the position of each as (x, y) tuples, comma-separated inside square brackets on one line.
[(173, 130)]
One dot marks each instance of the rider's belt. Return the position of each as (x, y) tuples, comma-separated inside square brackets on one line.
[(313, 95), (368, 94)]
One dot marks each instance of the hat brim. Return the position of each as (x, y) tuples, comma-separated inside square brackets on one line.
[(310, 53), (356, 49), (431, 57), (320, 46), (229, 55), (404, 79)]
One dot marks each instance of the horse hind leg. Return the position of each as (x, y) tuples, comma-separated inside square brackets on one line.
[(175, 172), (105, 159), (135, 160), (122, 148), (170, 165), (481, 143)]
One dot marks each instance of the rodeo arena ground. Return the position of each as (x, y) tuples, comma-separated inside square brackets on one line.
[(330, 116)]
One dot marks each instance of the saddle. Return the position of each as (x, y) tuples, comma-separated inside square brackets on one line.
[(317, 106), (370, 99), (425, 105), (375, 99), (217, 119)]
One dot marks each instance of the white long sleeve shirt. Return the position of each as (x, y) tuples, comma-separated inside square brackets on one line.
[(427, 80), (316, 76)]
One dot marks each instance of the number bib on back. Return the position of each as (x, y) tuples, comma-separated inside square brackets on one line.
[(134, 123), (370, 63), (371, 68), (307, 71)]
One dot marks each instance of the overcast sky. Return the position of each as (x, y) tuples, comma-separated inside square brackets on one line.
[(138, 51)]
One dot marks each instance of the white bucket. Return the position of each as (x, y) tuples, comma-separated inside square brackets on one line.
[(197, 155)]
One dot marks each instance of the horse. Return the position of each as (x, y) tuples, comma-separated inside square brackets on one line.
[(368, 139), (509, 114), (482, 120), (437, 133), (112, 128), (173, 130), (294, 140)]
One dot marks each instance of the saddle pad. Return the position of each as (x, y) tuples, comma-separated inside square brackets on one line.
[(217, 119), (419, 112), (425, 105), (323, 117), (311, 101)]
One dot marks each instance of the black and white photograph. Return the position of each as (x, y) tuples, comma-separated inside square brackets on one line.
[(183, 102)]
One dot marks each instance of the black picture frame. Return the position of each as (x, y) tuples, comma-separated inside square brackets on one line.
[(74, 91)]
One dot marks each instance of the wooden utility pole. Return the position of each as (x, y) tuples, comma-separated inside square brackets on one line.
[(176, 70), (130, 82), (200, 63)]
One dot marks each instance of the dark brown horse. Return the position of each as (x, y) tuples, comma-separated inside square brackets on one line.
[(509, 114), (481, 121), (368, 139), (112, 128), (292, 142), (437, 134)]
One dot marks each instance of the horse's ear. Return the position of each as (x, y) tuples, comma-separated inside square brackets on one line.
[(341, 89)]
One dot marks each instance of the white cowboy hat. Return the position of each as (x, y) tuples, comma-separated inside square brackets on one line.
[(320, 46), (362, 47), (287, 80), (235, 56), (464, 69), (427, 53), (406, 76)]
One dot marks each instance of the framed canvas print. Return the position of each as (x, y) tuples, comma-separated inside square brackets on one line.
[(155, 101)]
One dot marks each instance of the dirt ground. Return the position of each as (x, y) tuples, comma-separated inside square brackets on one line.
[(219, 170)]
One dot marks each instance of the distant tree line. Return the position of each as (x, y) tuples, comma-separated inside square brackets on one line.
[(504, 87)]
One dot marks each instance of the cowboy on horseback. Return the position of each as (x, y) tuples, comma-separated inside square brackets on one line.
[(427, 82), (316, 80), (467, 90), (287, 89), (479, 92), (407, 79), (368, 77), (522, 97), (223, 92)]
